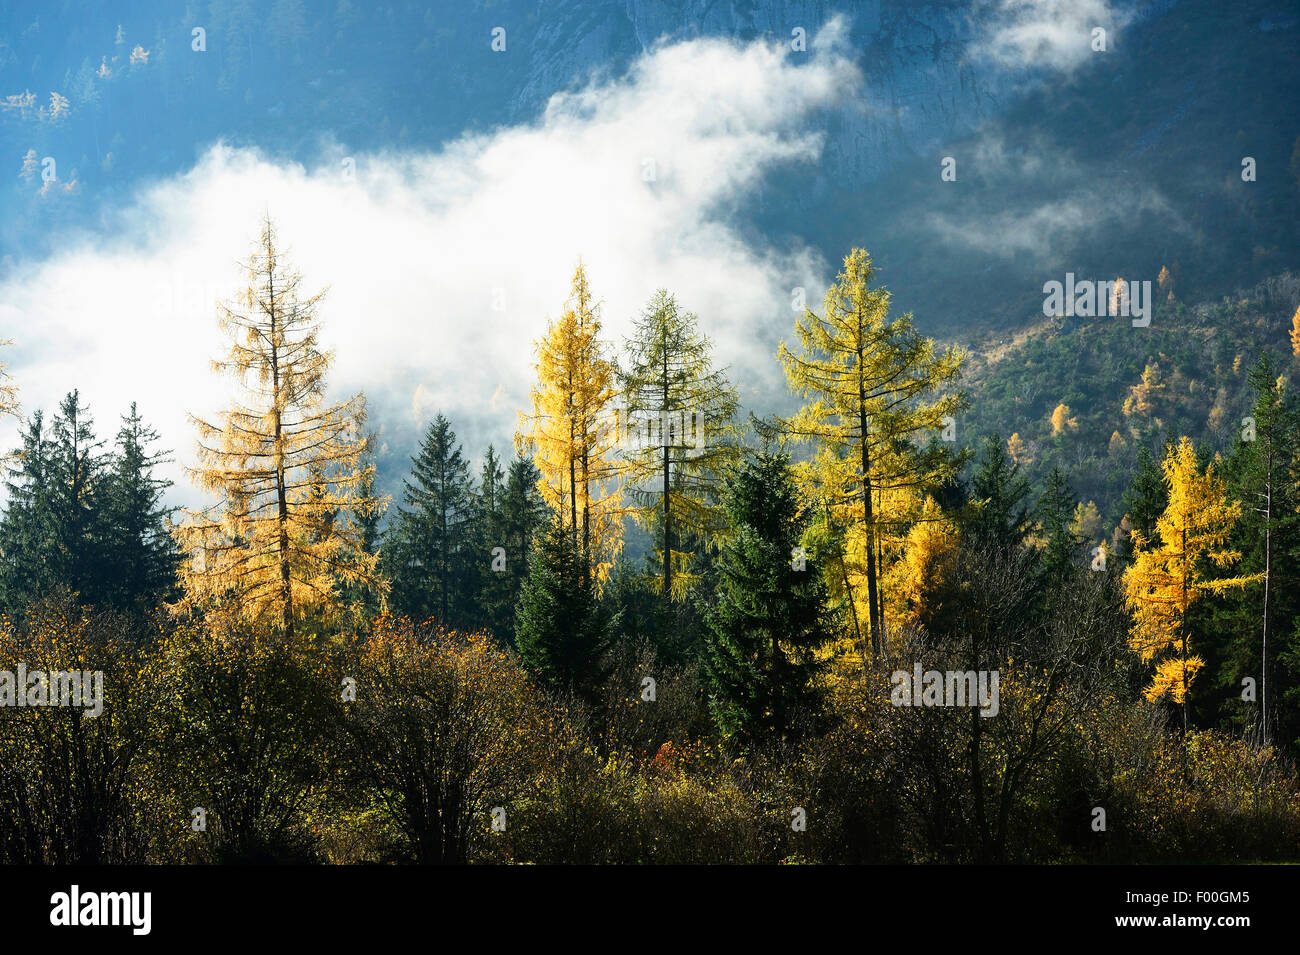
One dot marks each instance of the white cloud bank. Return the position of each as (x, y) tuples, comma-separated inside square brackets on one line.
[(416, 247)]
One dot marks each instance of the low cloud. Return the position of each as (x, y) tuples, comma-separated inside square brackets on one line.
[(444, 266), (1050, 34), (1046, 230)]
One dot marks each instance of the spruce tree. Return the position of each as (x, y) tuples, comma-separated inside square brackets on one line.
[(489, 563), (77, 470), (524, 517), (364, 603), (29, 566), (1061, 545), (769, 618), (1146, 498), (144, 558), (429, 541), (88, 521), (1261, 475), (562, 628), (999, 507)]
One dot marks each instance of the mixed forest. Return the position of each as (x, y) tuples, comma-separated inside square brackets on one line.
[(476, 670)]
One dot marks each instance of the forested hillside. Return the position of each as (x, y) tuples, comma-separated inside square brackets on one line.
[(1087, 395)]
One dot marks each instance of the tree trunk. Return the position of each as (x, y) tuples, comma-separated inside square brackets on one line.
[(663, 434), (873, 599), (282, 497), (1183, 626), (1268, 559)]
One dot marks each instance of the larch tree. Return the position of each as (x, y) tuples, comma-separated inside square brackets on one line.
[(1170, 571), (568, 432), (8, 390), (923, 579), (873, 387), (681, 410), (287, 467), (1061, 420)]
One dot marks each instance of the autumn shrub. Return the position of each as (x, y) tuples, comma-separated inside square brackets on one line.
[(692, 806), (444, 728), (241, 742), (1206, 798), (680, 808), (73, 787), (646, 702), (847, 781)]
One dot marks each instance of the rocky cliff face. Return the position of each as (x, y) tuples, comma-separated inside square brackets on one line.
[(922, 85)]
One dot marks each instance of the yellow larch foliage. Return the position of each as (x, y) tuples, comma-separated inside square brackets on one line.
[(8, 390), (1173, 678), (1295, 332), (1118, 295), (1018, 451), (289, 470), (1142, 395), (568, 430), (1061, 420), (674, 480), (1167, 574), (874, 390), (927, 567), (1087, 520)]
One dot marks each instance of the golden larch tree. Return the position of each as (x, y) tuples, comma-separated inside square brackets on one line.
[(873, 390), (568, 429), (926, 572), (1018, 450), (1170, 572), (9, 406), (1295, 332), (1061, 420), (291, 472), (683, 409), (8, 390), (1141, 397)]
